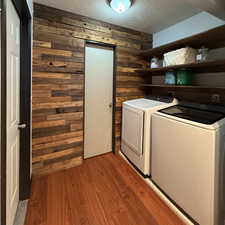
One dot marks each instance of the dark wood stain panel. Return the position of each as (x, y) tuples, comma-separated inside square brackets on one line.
[(58, 82), (102, 191)]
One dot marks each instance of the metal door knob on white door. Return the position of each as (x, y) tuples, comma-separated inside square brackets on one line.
[(22, 126)]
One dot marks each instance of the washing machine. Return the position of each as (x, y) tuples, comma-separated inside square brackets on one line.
[(187, 163), (136, 129)]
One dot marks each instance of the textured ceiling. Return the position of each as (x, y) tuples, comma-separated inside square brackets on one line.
[(215, 7), (144, 15)]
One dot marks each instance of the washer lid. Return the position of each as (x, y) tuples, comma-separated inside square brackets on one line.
[(143, 103), (193, 114)]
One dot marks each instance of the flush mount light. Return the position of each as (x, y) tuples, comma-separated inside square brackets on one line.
[(120, 6)]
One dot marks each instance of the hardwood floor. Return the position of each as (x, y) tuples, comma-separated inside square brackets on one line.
[(102, 191)]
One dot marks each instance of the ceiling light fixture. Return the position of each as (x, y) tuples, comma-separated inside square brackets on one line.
[(120, 6)]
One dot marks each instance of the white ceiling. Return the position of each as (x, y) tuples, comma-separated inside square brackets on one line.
[(144, 15), (215, 7)]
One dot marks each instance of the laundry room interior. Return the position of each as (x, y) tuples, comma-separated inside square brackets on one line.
[(112, 112)]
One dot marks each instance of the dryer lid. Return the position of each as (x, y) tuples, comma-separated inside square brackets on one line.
[(194, 114)]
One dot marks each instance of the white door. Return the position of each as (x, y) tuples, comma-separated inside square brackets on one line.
[(98, 100), (13, 109)]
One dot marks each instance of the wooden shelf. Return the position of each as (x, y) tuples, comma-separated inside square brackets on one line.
[(214, 38), (203, 67), (211, 39), (206, 88)]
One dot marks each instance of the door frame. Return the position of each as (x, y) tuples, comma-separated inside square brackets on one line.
[(113, 47), (25, 101)]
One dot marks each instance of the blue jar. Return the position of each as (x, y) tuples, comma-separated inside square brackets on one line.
[(170, 77)]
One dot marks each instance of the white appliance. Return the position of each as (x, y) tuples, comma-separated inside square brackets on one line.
[(188, 145), (136, 125)]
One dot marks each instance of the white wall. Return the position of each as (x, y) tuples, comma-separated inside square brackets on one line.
[(195, 24)]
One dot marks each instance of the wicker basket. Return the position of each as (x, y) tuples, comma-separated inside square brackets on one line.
[(180, 56)]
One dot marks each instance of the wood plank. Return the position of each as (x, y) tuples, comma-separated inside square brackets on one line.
[(48, 131), (41, 93), (130, 78), (102, 191), (77, 146), (66, 116), (51, 99), (59, 166), (75, 80), (57, 143), (57, 86), (48, 124), (60, 42), (56, 137), (52, 75), (150, 200), (43, 44), (125, 69), (201, 67), (46, 12), (57, 105), (76, 126), (50, 51), (58, 79), (200, 88), (54, 155), (93, 36)]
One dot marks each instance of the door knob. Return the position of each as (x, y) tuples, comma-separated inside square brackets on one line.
[(22, 126), (110, 105)]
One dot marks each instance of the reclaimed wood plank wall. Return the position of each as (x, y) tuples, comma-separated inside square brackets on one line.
[(58, 82)]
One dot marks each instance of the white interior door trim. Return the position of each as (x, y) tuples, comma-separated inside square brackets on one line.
[(13, 112), (99, 77)]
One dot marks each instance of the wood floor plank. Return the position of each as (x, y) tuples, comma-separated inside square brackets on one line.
[(102, 191), (89, 204), (151, 201), (39, 191), (139, 213), (113, 206)]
